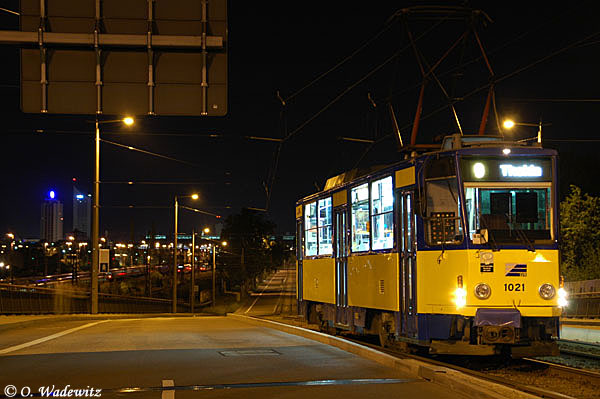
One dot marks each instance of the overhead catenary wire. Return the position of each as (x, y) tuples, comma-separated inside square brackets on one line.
[(486, 86), (386, 27), (181, 183), (473, 60), (358, 82), (113, 133), (154, 154)]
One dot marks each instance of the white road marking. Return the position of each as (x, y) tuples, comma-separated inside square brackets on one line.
[(48, 338), (280, 294), (168, 394), (259, 295)]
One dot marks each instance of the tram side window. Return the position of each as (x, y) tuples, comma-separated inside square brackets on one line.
[(443, 212), (382, 211), (360, 218), (310, 229), (325, 227)]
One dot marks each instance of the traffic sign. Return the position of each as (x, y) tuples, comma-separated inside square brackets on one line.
[(98, 57), (104, 260)]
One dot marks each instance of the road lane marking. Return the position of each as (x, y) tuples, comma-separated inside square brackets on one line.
[(168, 393), (48, 338), (259, 295), (280, 294)]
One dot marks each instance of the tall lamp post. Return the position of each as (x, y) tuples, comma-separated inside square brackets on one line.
[(195, 197), (96, 213), (214, 264)]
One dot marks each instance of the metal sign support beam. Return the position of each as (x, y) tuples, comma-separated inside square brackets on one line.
[(110, 39)]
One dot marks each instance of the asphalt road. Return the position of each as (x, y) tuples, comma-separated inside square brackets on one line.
[(275, 295), (193, 357)]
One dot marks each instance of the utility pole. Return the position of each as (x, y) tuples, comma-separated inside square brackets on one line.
[(193, 276), (95, 225), (214, 273), (175, 259)]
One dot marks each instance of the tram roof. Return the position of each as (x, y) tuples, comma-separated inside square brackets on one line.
[(466, 144)]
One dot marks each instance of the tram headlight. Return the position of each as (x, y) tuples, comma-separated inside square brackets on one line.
[(483, 291), (460, 298), (562, 297), (460, 294), (547, 291)]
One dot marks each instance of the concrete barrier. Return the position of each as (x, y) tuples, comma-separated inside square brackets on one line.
[(467, 385)]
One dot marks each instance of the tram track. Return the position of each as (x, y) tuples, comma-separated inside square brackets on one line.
[(549, 377), (540, 377), (502, 380)]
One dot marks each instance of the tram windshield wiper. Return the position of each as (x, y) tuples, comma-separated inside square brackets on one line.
[(521, 235), (492, 240)]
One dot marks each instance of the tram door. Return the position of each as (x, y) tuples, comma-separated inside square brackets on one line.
[(341, 266), (408, 262), (299, 255)]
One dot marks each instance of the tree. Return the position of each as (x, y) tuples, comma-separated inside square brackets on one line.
[(249, 252), (580, 236)]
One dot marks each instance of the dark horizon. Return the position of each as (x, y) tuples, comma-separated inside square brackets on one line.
[(281, 48)]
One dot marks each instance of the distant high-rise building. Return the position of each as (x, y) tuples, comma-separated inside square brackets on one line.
[(52, 219), (82, 213)]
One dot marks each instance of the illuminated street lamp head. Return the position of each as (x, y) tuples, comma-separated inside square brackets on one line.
[(206, 230), (195, 196), (128, 120), (508, 124), (224, 243)]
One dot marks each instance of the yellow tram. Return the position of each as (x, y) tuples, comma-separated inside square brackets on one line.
[(454, 250)]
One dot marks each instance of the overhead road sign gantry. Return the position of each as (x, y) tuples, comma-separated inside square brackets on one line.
[(98, 57)]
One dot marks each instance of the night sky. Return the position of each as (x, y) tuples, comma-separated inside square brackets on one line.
[(283, 46)]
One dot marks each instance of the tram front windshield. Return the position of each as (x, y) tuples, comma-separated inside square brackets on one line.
[(510, 197), (510, 214)]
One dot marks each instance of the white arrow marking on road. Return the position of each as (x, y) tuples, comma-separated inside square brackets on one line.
[(48, 338)]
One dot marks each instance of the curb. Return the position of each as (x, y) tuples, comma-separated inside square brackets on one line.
[(455, 380)]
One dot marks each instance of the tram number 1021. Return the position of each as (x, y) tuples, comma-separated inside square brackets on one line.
[(514, 287)]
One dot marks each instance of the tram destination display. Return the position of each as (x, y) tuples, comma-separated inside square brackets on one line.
[(506, 169)]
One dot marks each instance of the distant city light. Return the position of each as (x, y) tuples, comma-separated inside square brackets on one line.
[(52, 194), (80, 196), (128, 121)]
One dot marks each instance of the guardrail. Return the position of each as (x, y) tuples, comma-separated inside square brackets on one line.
[(583, 305), (583, 286), (19, 299)]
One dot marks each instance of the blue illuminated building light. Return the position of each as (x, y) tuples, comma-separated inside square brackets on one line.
[(80, 196), (52, 194)]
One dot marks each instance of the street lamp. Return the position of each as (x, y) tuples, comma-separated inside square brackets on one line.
[(128, 121), (509, 124), (194, 197)]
